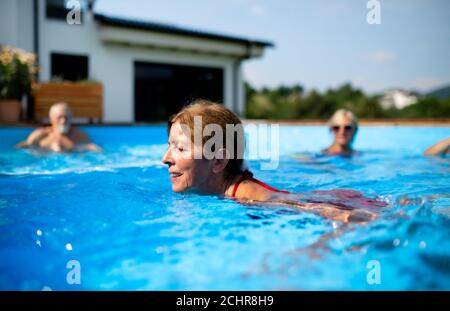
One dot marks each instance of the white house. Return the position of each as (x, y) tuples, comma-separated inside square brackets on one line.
[(148, 69), (397, 98)]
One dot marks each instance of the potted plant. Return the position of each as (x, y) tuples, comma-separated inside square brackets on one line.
[(17, 69)]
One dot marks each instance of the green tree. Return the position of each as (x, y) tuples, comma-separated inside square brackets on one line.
[(290, 102)]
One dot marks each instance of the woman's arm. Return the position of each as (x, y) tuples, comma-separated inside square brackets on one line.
[(333, 212), (249, 192), (439, 148), (329, 211)]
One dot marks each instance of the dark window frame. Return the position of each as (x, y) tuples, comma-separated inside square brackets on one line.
[(59, 12), (57, 66), (200, 78)]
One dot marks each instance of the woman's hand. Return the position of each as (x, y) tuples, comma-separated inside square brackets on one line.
[(439, 148)]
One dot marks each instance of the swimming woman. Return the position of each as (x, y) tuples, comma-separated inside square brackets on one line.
[(224, 173), (344, 126)]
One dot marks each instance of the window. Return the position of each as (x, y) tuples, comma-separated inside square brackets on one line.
[(69, 67), (58, 9), (161, 90)]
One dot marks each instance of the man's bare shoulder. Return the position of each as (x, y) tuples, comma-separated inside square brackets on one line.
[(40, 132)]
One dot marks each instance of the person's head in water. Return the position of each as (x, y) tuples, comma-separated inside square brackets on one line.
[(60, 117), (343, 125), (194, 163)]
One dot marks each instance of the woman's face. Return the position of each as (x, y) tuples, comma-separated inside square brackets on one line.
[(343, 131), (186, 172)]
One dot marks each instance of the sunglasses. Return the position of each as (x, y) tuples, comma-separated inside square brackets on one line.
[(347, 128)]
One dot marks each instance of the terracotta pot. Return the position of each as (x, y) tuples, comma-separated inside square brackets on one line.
[(10, 110)]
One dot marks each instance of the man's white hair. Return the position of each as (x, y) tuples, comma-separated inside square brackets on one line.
[(343, 114), (61, 105)]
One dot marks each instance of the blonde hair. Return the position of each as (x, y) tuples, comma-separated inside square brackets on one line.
[(213, 113), (343, 114)]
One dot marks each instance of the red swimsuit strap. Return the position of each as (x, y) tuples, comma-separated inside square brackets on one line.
[(267, 186), (243, 177), (236, 185)]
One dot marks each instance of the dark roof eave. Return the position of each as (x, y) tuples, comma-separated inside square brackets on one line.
[(164, 28)]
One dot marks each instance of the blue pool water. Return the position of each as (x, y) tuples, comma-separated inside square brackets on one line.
[(114, 213)]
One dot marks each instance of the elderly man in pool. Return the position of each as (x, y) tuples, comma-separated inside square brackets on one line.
[(224, 174), (60, 136), (344, 126)]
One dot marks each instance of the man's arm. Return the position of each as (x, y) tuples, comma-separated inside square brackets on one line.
[(32, 139), (92, 147), (85, 143), (439, 148)]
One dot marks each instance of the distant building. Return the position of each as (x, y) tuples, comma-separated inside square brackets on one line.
[(397, 98), (148, 70)]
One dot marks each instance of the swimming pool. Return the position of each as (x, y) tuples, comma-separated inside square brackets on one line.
[(115, 215)]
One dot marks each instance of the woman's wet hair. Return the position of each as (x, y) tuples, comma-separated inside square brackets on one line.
[(218, 114)]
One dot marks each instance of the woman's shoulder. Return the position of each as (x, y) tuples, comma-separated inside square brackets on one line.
[(252, 189)]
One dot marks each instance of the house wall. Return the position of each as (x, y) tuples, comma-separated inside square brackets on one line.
[(16, 23), (112, 63)]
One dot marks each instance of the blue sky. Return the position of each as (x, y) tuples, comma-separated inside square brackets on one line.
[(321, 43)]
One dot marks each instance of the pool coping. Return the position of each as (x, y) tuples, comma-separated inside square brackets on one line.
[(441, 122)]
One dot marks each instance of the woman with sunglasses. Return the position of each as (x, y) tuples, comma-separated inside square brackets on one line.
[(344, 125)]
